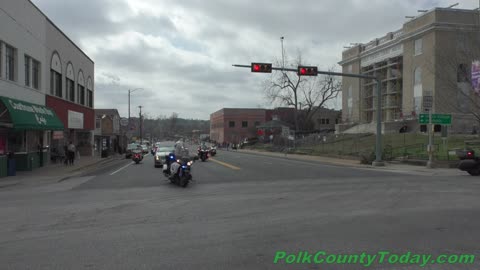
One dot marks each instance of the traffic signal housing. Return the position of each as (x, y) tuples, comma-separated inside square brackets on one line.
[(307, 71), (262, 67)]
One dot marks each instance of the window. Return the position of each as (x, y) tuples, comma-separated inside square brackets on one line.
[(231, 124), (27, 70), (257, 123), (417, 90), (350, 102), (418, 46), (327, 121), (90, 98), (98, 123), (336, 121), (322, 121), (55, 83), (81, 94), (36, 74), (244, 124), (10, 62), (462, 73), (70, 90)]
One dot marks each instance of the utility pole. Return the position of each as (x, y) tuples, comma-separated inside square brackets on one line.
[(129, 92), (141, 125)]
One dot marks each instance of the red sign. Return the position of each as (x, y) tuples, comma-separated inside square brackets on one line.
[(61, 108)]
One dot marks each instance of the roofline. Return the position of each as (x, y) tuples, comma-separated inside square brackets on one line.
[(59, 30)]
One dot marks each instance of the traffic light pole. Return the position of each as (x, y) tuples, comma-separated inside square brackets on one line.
[(378, 139)]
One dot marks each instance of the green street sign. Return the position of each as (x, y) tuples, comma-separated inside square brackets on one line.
[(439, 119)]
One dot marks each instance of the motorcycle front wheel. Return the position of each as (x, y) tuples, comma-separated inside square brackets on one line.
[(474, 172)]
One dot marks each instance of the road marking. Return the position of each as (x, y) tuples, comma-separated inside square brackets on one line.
[(121, 168), (225, 164)]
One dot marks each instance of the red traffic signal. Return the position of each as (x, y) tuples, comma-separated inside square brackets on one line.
[(262, 67), (307, 71)]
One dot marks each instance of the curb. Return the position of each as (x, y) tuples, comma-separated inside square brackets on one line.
[(433, 172), (293, 157)]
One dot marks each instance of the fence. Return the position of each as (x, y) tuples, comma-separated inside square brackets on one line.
[(405, 145)]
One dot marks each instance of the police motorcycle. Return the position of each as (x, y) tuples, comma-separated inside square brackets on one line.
[(178, 171), (203, 152)]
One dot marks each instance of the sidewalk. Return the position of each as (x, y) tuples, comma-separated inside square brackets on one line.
[(56, 172), (389, 166)]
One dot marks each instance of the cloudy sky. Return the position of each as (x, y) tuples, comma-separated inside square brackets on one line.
[(181, 51)]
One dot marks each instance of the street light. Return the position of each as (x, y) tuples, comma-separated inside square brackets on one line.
[(129, 92)]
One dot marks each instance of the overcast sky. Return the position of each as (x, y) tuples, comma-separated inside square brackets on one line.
[(181, 51)]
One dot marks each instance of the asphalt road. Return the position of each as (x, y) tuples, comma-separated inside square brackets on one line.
[(240, 210)]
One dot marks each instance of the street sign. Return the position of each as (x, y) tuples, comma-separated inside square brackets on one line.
[(124, 122), (427, 102), (285, 131), (440, 119)]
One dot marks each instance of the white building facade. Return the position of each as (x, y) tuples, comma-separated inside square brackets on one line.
[(45, 78)]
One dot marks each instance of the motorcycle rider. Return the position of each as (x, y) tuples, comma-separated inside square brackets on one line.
[(180, 153)]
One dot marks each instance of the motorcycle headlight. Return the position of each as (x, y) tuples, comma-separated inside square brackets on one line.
[(157, 157), (189, 163), (178, 160)]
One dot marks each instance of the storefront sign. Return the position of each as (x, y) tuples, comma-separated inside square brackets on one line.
[(75, 120), (58, 135)]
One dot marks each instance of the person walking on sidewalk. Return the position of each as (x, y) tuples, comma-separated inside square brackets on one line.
[(71, 153)]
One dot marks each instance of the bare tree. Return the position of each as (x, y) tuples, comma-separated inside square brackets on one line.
[(316, 93), (290, 89), (452, 70)]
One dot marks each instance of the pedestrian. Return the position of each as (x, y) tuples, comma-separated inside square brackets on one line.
[(71, 153), (66, 156)]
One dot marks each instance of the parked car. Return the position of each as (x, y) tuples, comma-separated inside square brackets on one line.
[(130, 148)]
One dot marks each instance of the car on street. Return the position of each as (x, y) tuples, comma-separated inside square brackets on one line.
[(144, 149), (161, 153)]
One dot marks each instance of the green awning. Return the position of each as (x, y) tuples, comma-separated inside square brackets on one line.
[(26, 115)]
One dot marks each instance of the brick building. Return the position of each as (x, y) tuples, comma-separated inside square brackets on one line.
[(234, 125)]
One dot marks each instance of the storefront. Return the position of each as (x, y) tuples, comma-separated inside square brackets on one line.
[(24, 133), (79, 123)]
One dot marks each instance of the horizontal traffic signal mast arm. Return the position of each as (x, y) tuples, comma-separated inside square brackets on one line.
[(318, 72)]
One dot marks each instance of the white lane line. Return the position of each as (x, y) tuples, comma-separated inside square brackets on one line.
[(121, 168)]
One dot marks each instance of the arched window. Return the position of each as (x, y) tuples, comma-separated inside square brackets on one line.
[(81, 88), (417, 90), (89, 92), (70, 82), (56, 76)]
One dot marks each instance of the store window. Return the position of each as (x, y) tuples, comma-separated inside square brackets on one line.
[(244, 124), (16, 141)]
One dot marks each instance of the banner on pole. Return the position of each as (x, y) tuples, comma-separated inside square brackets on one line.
[(476, 76)]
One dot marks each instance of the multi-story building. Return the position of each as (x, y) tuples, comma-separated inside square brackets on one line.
[(234, 125), (46, 87), (430, 55), (107, 130), (324, 119)]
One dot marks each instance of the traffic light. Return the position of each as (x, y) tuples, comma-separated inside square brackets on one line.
[(307, 71), (262, 67)]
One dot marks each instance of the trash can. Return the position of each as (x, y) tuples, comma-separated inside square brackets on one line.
[(11, 165)]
